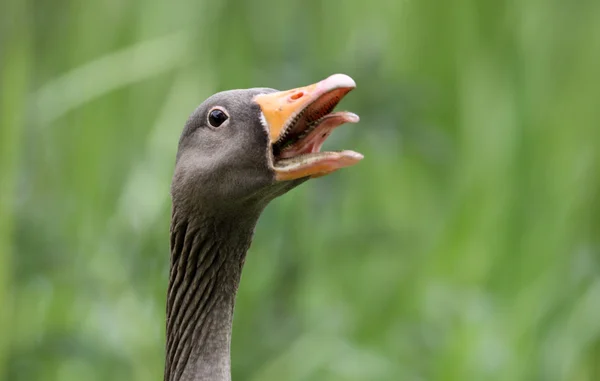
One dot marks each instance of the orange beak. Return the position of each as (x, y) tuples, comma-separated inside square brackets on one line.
[(289, 112)]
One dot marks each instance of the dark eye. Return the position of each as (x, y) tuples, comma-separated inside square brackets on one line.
[(216, 117)]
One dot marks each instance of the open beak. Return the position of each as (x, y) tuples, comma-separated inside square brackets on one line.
[(298, 122)]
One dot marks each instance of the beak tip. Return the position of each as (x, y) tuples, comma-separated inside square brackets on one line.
[(341, 80), (353, 118), (352, 156)]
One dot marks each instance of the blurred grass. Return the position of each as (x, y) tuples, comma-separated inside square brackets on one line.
[(464, 247)]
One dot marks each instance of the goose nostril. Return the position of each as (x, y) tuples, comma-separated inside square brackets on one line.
[(297, 96)]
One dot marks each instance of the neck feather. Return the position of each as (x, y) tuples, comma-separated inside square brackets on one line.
[(207, 256)]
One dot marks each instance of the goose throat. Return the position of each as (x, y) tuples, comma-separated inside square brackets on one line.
[(207, 256)]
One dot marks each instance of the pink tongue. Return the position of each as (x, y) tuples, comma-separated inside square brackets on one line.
[(315, 139)]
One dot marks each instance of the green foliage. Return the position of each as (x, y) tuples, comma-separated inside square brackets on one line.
[(466, 246)]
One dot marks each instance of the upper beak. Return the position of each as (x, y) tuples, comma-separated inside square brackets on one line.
[(281, 107)]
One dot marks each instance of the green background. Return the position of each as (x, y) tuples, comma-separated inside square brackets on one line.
[(465, 246)]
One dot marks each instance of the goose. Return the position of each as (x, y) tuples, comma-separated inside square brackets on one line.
[(238, 150)]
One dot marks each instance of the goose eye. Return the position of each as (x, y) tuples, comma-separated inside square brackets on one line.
[(216, 117)]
